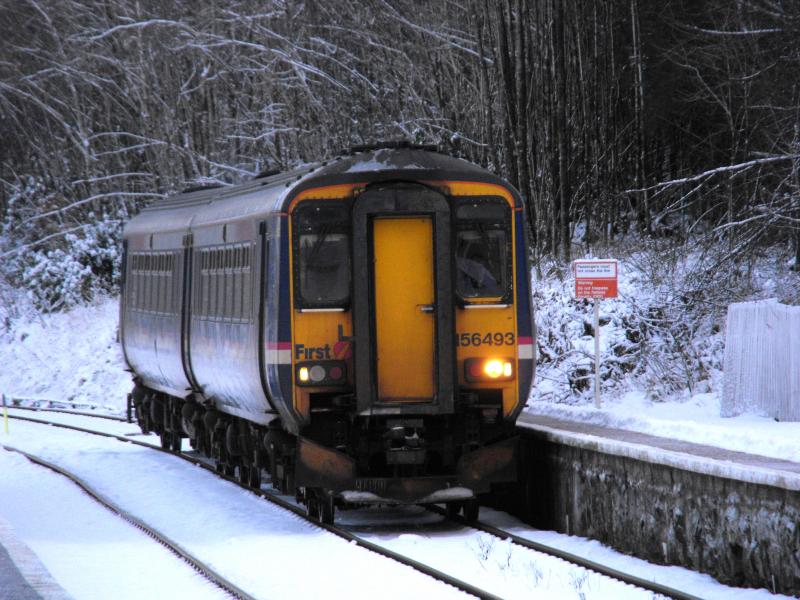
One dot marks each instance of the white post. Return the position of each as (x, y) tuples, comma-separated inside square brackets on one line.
[(5, 414), (597, 352)]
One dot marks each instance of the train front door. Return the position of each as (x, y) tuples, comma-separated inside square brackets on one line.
[(404, 308), (403, 301)]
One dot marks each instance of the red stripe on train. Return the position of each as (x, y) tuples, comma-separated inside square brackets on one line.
[(279, 345)]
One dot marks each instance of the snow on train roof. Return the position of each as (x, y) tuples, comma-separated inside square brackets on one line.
[(392, 160), (270, 194)]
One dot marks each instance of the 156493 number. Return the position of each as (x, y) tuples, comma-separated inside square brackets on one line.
[(485, 339)]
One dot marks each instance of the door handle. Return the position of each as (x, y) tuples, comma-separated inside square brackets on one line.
[(427, 308)]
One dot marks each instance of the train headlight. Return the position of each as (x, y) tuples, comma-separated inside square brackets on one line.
[(493, 368), (321, 373), (488, 369)]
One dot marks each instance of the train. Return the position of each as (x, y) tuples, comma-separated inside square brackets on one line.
[(360, 329)]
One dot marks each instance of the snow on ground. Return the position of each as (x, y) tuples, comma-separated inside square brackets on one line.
[(485, 561), (90, 551), (512, 571), (267, 551), (692, 582), (694, 420), (71, 356)]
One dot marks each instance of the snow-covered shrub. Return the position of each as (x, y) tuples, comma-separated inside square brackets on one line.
[(73, 271), (58, 263), (565, 340), (664, 332)]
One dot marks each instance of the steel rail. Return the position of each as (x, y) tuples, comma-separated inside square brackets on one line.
[(342, 533), (68, 412), (202, 568), (576, 559)]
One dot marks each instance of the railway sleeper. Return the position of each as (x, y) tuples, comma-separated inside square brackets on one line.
[(320, 504), (469, 509)]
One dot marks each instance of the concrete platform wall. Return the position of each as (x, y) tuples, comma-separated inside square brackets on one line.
[(741, 533)]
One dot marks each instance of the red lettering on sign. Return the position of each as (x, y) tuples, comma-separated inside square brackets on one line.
[(595, 278)]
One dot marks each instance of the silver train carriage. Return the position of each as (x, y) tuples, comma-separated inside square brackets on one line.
[(360, 329)]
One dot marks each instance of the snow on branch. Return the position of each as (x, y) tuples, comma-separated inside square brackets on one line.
[(732, 33), (140, 25), (135, 148), (449, 39), (114, 176), (45, 239), (735, 169), (63, 209)]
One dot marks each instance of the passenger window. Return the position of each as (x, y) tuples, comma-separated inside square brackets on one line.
[(219, 276), (227, 279), (483, 249), (246, 295), (212, 286), (322, 255)]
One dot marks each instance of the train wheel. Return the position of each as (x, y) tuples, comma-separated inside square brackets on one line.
[(176, 442), (452, 509), (273, 463), (312, 507), (165, 441), (288, 482), (327, 510), (243, 474), (471, 510), (255, 477), (229, 470)]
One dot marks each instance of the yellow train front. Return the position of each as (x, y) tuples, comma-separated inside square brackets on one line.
[(411, 329), (360, 329)]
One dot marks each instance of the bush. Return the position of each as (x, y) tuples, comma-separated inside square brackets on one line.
[(59, 264)]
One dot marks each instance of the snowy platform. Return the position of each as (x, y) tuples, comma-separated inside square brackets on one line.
[(22, 575), (679, 454)]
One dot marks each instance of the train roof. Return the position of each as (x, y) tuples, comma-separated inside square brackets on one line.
[(272, 193)]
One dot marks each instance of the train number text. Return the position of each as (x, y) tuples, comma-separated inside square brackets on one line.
[(485, 339)]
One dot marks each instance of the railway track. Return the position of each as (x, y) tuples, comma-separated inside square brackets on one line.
[(297, 510), (500, 534), (572, 558), (199, 566), (42, 405)]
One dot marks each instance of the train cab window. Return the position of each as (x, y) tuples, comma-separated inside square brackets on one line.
[(483, 250), (322, 255)]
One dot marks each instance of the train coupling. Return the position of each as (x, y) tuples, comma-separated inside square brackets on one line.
[(404, 441)]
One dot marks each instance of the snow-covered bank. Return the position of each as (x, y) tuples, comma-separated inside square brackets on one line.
[(70, 356), (662, 347), (695, 420)]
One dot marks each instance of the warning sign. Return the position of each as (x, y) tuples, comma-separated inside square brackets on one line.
[(595, 278)]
